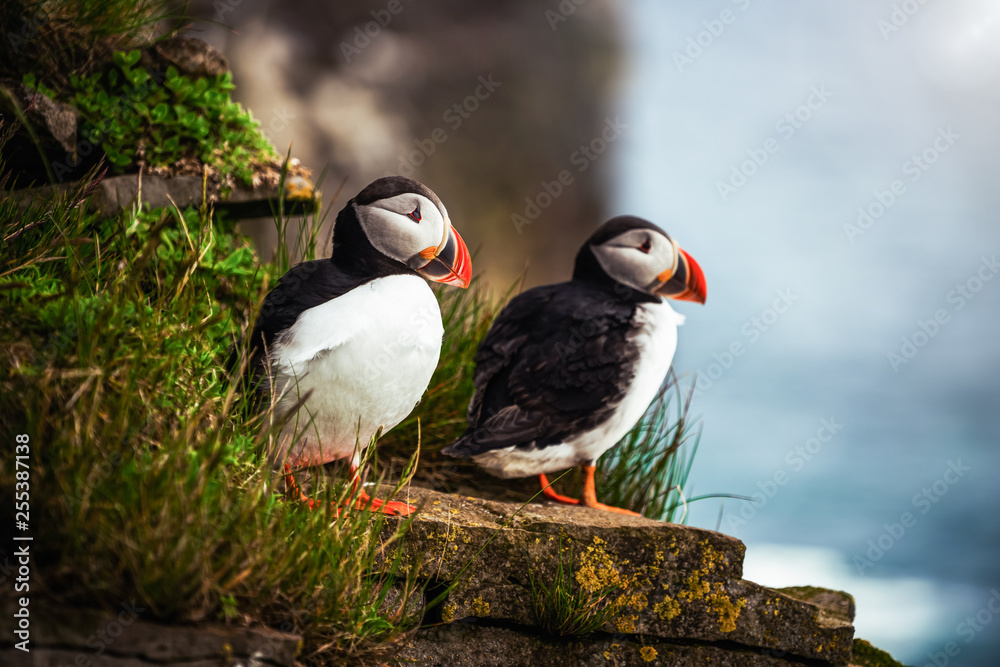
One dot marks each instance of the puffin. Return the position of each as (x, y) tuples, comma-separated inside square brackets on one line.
[(344, 347), (566, 370)]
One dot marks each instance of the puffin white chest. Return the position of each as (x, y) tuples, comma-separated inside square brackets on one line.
[(655, 339), (366, 357)]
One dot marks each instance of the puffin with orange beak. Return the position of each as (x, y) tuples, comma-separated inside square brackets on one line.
[(346, 346), (567, 370)]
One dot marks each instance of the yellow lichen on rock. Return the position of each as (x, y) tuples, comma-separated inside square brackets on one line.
[(668, 609), (448, 612), (710, 558), (696, 588), (714, 595), (647, 653), (608, 655), (480, 607), (727, 610), (638, 601), (597, 569), (626, 624), (299, 188)]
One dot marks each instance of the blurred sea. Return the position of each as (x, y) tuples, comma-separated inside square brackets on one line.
[(837, 180)]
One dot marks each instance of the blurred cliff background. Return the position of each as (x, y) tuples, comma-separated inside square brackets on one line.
[(832, 166), (482, 103)]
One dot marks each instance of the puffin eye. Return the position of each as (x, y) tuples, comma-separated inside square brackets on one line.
[(646, 246), (415, 214)]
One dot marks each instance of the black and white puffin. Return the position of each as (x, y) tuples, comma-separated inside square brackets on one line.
[(567, 370), (350, 342)]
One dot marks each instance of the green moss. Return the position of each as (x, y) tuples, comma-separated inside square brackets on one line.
[(865, 655), (159, 119)]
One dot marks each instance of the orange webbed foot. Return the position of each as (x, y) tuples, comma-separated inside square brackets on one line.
[(550, 493)]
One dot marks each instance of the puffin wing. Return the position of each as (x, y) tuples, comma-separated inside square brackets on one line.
[(550, 366), (296, 316)]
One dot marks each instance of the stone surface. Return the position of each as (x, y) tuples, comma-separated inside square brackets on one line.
[(117, 193), (835, 603), (674, 582), (191, 56), (121, 638), (680, 589), (458, 645), (54, 123)]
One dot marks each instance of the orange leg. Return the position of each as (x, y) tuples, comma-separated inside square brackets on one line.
[(551, 494), (590, 493), (363, 501), (366, 502), (293, 491)]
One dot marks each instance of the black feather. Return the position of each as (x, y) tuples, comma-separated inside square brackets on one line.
[(553, 364), (559, 359)]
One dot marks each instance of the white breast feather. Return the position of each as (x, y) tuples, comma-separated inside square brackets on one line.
[(366, 357)]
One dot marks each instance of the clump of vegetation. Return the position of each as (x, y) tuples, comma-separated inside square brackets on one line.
[(864, 654), (98, 56), (145, 481), (567, 608), (57, 39), (161, 119)]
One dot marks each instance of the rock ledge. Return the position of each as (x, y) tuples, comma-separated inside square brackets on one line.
[(683, 599)]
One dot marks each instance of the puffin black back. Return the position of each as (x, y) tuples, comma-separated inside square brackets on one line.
[(549, 367)]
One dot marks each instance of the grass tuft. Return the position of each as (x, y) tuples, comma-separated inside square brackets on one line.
[(564, 609)]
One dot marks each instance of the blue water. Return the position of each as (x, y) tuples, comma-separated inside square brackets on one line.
[(907, 456)]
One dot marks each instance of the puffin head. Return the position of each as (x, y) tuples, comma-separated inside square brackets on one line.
[(636, 253), (403, 221)]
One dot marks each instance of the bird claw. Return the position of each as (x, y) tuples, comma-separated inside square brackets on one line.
[(589, 496), (363, 502), (390, 507), (609, 508)]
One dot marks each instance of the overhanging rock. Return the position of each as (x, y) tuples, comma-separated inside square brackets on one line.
[(115, 194)]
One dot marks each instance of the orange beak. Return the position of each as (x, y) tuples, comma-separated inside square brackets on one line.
[(686, 283), (450, 263)]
